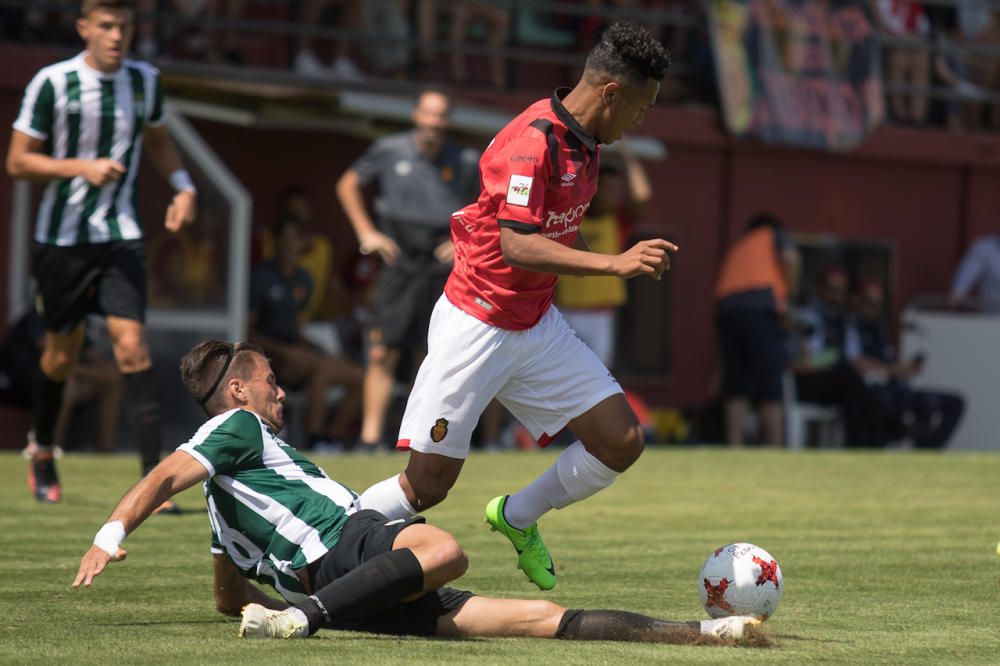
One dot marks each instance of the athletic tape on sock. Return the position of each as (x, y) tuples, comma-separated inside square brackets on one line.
[(581, 474), (387, 497)]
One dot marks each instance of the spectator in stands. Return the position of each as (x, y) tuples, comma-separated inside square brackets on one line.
[(979, 274), (975, 24), (930, 417), (94, 380), (279, 293), (758, 276), (824, 375), (490, 19), (317, 259), (422, 178), (307, 62), (603, 13), (54, 24), (969, 75), (589, 304), (190, 37), (387, 29), (906, 65)]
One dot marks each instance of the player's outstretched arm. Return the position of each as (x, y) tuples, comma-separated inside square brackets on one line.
[(178, 471), (233, 591), (532, 251), (26, 160)]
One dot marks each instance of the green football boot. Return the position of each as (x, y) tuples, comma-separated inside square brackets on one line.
[(532, 556)]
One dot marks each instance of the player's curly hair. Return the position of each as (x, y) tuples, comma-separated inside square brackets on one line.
[(628, 50)]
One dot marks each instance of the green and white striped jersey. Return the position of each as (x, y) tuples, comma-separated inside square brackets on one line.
[(272, 511), (83, 113)]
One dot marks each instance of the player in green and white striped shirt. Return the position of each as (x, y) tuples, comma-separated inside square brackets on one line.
[(279, 519), (276, 517), (82, 128)]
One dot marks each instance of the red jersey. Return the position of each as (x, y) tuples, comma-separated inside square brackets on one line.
[(537, 175)]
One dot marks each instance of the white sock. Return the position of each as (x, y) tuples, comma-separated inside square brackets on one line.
[(301, 619), (576, 475), (709, 626), (387, 497)]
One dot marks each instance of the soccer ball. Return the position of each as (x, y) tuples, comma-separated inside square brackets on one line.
[(740, 579)]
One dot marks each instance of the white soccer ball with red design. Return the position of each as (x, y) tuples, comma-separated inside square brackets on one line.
[(740, 579)]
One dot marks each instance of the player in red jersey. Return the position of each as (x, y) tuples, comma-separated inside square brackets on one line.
[(495, 333)]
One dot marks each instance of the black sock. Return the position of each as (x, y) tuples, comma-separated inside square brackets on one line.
[(46, 399), (374, 586), (142, 412), (614, 625)]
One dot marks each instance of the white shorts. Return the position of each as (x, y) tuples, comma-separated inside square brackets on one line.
[(545, 376), (597, 330)]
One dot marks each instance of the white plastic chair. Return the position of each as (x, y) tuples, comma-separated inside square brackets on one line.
[(799, 416)]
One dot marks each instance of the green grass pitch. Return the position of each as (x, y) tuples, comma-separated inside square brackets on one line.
[(887, 558)]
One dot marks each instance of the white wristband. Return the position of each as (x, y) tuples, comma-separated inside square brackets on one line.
[(180, 180), (110, 537)]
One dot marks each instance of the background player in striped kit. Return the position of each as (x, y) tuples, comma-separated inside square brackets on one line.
[(81, 129), (279, 519)]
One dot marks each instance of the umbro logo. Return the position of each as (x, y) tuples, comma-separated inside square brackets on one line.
[(567, 179)]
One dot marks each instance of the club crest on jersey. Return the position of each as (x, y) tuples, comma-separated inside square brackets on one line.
[(519, 190), (439, 430)]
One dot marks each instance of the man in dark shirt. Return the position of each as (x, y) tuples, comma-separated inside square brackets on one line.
[(422, 178), (279, 292), (930, 416), (824, 374)]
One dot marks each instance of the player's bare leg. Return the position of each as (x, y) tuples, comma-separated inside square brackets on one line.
[(737, 410), (441, 558), (610, 432), (428, 478), (424, 483), (611, 439), (333, 371), (772, 419), (380, 376), (500, 618)]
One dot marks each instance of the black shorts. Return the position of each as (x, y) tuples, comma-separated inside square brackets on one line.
[(404, 300), (366, 535), (753, 353), (103, 278)]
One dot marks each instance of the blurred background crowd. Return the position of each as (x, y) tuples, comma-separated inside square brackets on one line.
[(832, 183)]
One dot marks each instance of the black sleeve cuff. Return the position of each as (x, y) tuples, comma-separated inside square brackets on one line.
[(520, 227)]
